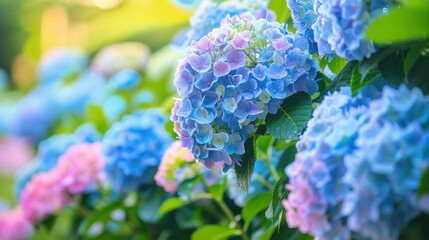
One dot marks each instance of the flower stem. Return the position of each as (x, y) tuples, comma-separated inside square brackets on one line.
[(231, 218)]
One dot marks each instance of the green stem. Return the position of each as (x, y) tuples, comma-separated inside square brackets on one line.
[(231, 218), (271, 168)]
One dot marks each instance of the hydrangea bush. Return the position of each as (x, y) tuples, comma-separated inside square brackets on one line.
[(338, 151)]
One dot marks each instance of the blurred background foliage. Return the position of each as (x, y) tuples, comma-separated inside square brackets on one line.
[(30, 28)]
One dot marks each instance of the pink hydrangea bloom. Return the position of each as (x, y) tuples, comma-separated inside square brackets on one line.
[(14, 154), (13, 225), (43, 196), (80, 167), (175, 158)]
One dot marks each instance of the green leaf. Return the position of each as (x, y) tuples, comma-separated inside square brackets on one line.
[(287, 157), (342, 79), (391, 67), (254, 206), (268, 233), (412, 55), (95, 114), (214, 232), (101, 215), (217, 190), (415, 3), (359, 81), (281, 10), (170, 205), (400, 25), (291, 118), (245, 171), (424, 183), (279, 193), (418, 76)]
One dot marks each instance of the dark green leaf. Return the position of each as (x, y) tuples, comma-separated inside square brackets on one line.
[(291, 118), (170, 205), (418, 76), (391, 68), (101, 215), (359, 81), (412, 55), (287, 157), (254, 206), (400, 25), (424, 183), (245, 171), (214, 232), (268, 233), (342, 79)]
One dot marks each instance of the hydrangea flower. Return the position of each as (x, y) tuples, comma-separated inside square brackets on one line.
[(261, 176), (14, 154), (338, 27), (13, 225), (210, 14), (43, 196), (80, 167), (133, 149), (178, 165), (232, 77), (124, 80), (359, 164), (35, 115), (59, 63), (304, 16)]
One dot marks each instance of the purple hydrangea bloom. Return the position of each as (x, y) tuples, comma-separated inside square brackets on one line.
[(210, 14), (337, 26), (133, 149), (359, 164), (232, 77)]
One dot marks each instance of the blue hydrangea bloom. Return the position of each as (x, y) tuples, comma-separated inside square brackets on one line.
[(338, 27), (133, 149), (189, 4), (210, 14), (235, 75), (59, 63), (359, 165), (35, 115), (25, 175), (74, 97), (257, 184), (303, 17), (124, 80)]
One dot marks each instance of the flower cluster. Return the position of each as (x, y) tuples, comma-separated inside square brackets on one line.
[(232, 77), (13, 225), (359, 165), (80, 167), (178, 165), (338, 27), (47, 192), (133, 149), (210, 14)]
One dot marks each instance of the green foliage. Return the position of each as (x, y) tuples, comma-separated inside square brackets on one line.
[(278, 194), (404, 24), (281, 10), (214, 232), (254, 206), (358, 81), (291, 118), (170, 205), (95, 115), (424, 184), (245, 171)]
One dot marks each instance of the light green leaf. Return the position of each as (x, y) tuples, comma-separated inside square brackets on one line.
[(400, 25), (254, 206), (291, 118), (170, 205), (214, 232), (281, 10), (95, 114), (217, 190)]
